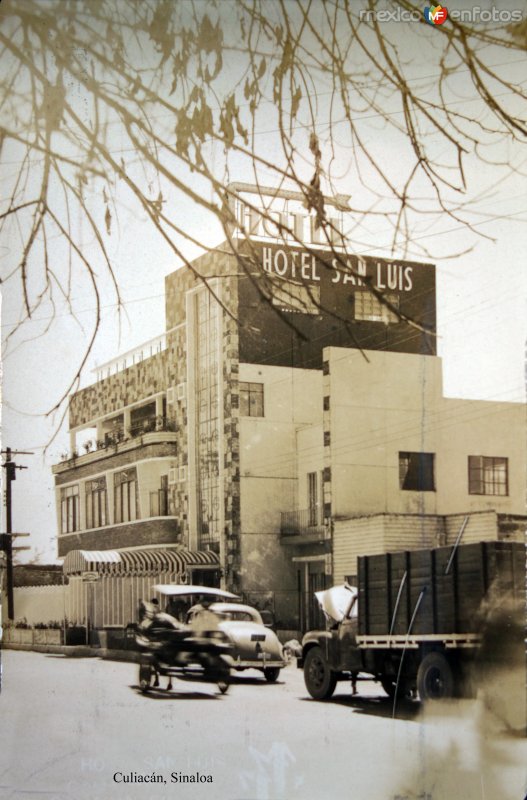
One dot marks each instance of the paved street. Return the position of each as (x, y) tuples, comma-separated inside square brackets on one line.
[(68, 725)]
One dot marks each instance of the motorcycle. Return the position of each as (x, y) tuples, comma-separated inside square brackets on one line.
[(196, 651)]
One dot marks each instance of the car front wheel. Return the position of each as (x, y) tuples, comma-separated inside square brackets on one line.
[(319, 679)]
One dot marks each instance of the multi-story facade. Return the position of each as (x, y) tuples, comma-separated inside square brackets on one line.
[(287, 422)]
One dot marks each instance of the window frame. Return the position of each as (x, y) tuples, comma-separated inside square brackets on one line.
[(313, 501), (250, 407), (296, 298), (372, 310), (70, 509), (423, 471), (125, 503), (483, 482), (96, 492)]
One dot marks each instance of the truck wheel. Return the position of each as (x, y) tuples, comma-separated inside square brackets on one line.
[(434, 677), (389, 685), (271, 674), (319, 679)]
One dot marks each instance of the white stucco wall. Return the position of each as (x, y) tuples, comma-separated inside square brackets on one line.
[(393, 402), (268, 444), (39, 603)]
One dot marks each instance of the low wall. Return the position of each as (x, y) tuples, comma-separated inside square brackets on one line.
[(39, 604), (33, 636)]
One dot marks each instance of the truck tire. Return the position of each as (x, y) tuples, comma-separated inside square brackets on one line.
[(390, 686), (435, 679), (319, 679)]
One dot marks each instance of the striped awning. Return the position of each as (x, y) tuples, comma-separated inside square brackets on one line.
[(138, 561)]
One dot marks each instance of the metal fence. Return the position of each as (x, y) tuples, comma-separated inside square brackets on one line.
[(111, 601)]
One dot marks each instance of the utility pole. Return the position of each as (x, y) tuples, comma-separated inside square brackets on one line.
[(6, 539)]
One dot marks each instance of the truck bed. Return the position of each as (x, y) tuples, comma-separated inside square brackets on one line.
[(437, 592)]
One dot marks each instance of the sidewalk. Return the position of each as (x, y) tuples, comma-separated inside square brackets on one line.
[(78, 651)]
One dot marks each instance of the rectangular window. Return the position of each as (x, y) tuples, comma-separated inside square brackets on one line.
[(297, 297), (416, 472), (488, 475), (369, 308), (159, 499), (125, 495), (251, 399), (70, 509), (312, 498), (96, 503)]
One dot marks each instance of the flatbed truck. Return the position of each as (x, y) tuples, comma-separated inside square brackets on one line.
[(417, 621)]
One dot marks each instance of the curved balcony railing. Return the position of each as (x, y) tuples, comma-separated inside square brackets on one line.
[(120, 435)]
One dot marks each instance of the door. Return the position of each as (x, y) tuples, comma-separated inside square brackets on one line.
[(311, 579)]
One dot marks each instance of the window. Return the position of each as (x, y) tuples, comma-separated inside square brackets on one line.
[(96, 503), (125, 495), (369, 308), (488, 475), (251, 400), (207, 483), (298, 297), (159, 499), (143, 419), (416, 472), (70, 509), (312, 498)]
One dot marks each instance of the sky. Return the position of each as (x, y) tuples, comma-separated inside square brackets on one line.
[(481, 293)]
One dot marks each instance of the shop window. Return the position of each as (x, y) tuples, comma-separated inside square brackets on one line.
[(251, 399), (125, 495), (416, 472), (96, 503), (368, 307), (70, 509), (488, 475)]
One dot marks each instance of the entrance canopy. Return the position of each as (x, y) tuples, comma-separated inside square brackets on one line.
[(138, 561)]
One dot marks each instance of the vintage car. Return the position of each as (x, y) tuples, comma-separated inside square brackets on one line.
[(254, 644)]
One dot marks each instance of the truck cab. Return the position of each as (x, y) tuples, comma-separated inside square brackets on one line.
[(333, 654)]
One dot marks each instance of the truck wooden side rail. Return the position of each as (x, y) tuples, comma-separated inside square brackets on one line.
[(421, 621)]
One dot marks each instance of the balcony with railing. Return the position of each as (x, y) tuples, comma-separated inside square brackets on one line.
[(155, 430), (125, 360), (304, 522)]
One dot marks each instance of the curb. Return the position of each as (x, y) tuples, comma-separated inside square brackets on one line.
[(77, 651)]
